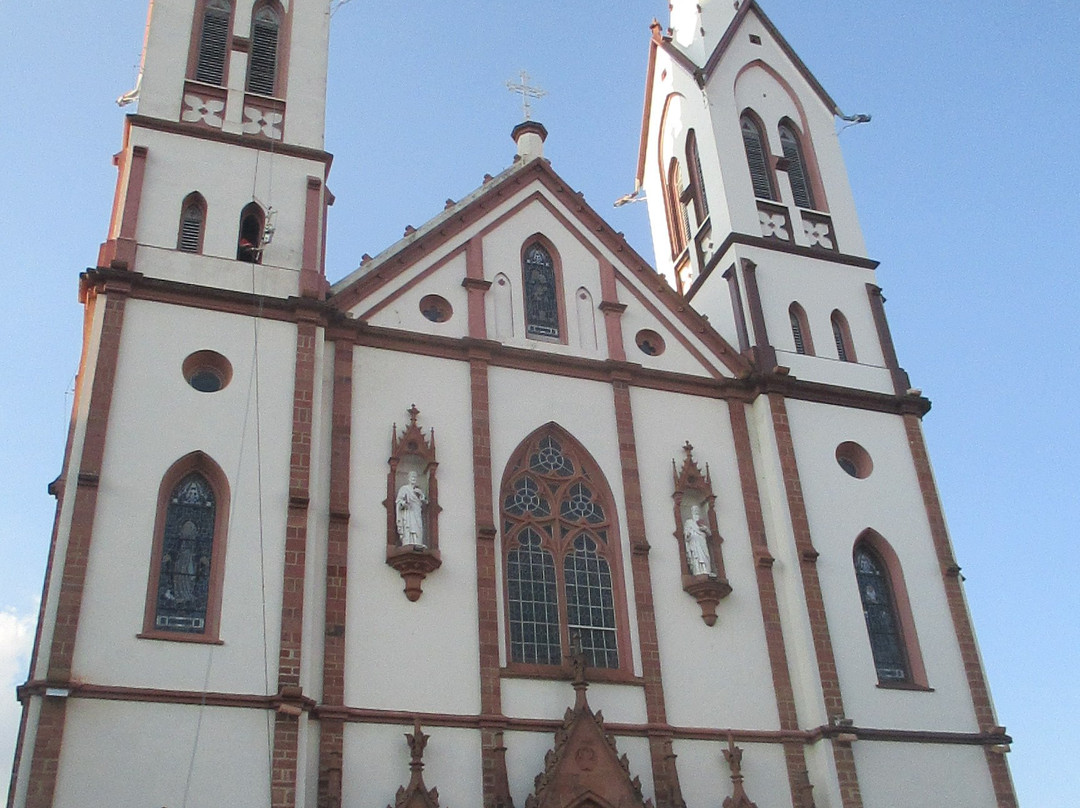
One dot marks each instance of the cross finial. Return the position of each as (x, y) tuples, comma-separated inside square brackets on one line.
[(527, 91)]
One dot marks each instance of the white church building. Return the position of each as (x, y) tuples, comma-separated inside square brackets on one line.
[(507, 516)]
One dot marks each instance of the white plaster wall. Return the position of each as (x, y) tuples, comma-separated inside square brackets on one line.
[(376, 764), (521, 402), (677, 356), (309, 40), (705, 777), (156, 419), (840, 508), (541, 698), (403, 311), (139, 754), (176, 165), (955, 776), (395, 649), (165, 59), (715, 676)]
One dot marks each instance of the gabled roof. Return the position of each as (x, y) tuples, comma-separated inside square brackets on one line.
[(392, 262), (703, 74)]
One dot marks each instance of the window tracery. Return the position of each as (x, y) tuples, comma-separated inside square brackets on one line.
[(561, 555)]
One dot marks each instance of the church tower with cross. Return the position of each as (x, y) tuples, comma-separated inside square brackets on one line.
[(505, 516)]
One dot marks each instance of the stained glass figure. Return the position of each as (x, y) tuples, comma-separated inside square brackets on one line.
[(541, 294), (886, 642), (186, 548)]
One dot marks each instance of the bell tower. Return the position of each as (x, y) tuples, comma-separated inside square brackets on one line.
[(222, 166)]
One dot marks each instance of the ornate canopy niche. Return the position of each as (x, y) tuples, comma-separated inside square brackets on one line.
[(699, 539), (412, 506), (584, 768)]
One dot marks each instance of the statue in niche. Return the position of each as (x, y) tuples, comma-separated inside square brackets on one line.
[(696, 535), (410, 504)]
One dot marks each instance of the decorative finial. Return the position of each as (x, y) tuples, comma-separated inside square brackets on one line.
[(527, 91), (417, 741), (688, 448), (577, 665), (413, 412)]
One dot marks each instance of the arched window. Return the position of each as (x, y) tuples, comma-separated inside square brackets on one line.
[(697, 178), (800, 330), (249, 245), (678, 218), (542, 293), (757, 158), (212, 56), (796, 166), (845, 350), (192, 223), (562, 555), (263, 64), (184, 598)]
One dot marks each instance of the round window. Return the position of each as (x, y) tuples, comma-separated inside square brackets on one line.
[(436, 308), (207, 371), (854, 459), (649, 342)]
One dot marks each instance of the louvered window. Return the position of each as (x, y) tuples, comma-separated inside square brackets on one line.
[(842, 336), (679, 218), (796, 167), (192, 216), (879, 609), (213, 43), (797, 331), (262, 69), (693, 161), (757, 158)]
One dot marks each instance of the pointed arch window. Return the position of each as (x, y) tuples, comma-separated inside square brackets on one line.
[(249, 244), (678, 216), (562, 556), (845, 349), (184, 592), (800, 330), (795, 161), (697, 177), (212, 57), (192, 224), (543, 314), (757, 158), (263, 63)]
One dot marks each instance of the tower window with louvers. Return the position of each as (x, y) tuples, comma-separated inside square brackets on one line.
[(262, 67)]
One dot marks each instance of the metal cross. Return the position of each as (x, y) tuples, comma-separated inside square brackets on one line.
[(527, 92)]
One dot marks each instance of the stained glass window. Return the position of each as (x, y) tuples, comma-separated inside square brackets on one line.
[(187, 544), (559, 562), (541, 293), (882, 623)]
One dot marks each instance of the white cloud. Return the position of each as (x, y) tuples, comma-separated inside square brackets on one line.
[(16, 640)]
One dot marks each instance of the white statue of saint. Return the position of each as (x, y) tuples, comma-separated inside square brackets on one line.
[(410, 515), (696, 535)]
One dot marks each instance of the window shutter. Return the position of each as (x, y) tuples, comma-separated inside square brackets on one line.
[(796, 332), (796, 170), (191, 222), (757, 160), (838, 336), (264, 44), (213, 44), (699, 178)]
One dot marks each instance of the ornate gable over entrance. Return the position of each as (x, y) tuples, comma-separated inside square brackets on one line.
[(584, 768)]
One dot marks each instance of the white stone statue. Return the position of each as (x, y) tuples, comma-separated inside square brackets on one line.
[(696, 535), (410, 503)]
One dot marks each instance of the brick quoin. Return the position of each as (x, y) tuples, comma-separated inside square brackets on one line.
[(794, 753), (665, 774), (954, 594), (49, 738), (815, 604)]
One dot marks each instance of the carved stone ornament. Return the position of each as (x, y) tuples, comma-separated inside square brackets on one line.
[(415, 794), (584, 767), (699, 539), (412, 506), (738, 799)]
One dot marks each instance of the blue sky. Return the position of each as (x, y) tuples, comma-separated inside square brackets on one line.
[(966, 184)]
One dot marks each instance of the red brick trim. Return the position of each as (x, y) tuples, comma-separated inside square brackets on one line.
[(194, 130), (794, 756), (405, 287), (848, 781), (312, 283), (888, 350), (332, 732), (196, 39), (119, 250), (476, 287), (753, 301), (954, 594), (732, 277), (665, 775)]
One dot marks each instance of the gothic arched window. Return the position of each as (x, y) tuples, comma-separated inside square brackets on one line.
[(800, 330), (562, 555), (184, 601), (249, 243), (192, 223), (845, 349), (882, 619), (263, 63), (542, 293), (678, 217), (212, 57), (757, 158), (796, 166), (697, 177)]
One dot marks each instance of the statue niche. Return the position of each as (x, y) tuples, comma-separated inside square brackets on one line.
[(412, 506), (699, 539)]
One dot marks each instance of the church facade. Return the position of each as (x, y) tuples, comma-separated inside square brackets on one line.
[(506, 516)]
